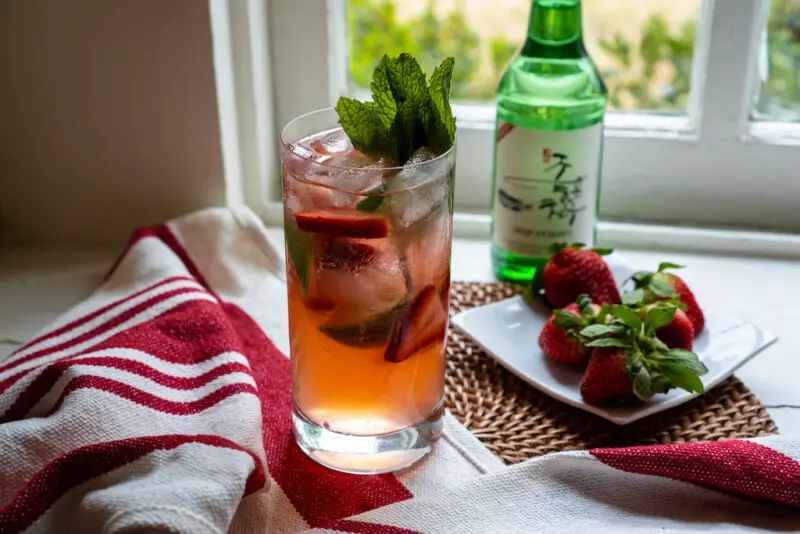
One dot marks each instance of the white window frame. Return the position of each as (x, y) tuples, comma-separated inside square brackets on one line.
[(714, 167)]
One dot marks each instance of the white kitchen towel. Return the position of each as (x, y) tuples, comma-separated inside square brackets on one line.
[(162, 404)]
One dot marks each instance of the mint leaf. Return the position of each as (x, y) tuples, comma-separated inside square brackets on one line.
[(440, 123), (405, 114), (362, 123), (298, 247), (406, 78), (370, 204), (602, 251), (370, 333), (409, 90), (382, 96)]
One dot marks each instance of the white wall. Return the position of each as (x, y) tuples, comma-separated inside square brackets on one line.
[(108, 116)]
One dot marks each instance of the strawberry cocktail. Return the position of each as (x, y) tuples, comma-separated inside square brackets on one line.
[(368, 234)]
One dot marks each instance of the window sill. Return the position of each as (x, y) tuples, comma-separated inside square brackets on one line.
[(39, 283), (476, 226)]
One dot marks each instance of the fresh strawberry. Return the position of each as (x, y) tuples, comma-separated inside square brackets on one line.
[(679, 334), (343, 223), (686, 296), (628, 363), (424, 323), (558, 338), (662, 285), (573, 271), (667, 320), (606, 377)]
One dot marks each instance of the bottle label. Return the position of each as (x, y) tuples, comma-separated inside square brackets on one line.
[(546, 187)]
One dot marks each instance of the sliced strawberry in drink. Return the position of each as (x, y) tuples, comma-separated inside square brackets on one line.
[(319, 304), (344, 223), (424, 323)]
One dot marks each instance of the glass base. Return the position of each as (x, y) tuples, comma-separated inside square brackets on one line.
[(367, 455)]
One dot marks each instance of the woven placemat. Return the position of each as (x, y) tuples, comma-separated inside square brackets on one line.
[(516, 421)]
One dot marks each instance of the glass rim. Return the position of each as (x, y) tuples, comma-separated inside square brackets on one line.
[(289, 147)]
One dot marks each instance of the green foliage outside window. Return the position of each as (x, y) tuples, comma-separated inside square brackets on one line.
[(781, 92), (653, 73)]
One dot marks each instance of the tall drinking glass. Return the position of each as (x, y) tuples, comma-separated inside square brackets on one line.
[(368, 271)]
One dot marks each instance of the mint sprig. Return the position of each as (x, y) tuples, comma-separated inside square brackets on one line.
[(442, 124), (406, 113)]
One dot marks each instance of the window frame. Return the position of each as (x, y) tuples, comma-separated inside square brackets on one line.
[(713, 167)]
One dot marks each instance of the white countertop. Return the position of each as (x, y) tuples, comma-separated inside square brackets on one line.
[(37, 284)]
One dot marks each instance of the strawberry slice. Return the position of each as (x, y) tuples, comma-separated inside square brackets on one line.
[(319, 304), (424, 323), (344, 223)]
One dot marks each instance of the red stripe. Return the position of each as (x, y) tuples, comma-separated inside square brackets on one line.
[(190, 333), (319, 494), (359, 527), (96, 332), (99, 330), (82, 464), (125, 391), (86, 318), (42, 384), (737, 466)]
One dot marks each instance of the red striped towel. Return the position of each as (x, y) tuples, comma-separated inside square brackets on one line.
[(162, 404)]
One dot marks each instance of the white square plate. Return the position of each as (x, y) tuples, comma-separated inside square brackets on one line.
[(509, 330)]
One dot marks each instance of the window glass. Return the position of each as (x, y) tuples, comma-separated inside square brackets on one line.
[(779, 64), (643, 48)]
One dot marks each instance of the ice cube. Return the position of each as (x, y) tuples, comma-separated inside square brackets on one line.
[(427, 187), (306, 153), (359, 283), (421, 155), (332, 143)]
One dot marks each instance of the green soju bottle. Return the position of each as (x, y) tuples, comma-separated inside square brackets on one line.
[(548, 145)]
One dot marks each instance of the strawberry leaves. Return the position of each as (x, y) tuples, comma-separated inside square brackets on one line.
[(634, 297), (660, 288), (627, 316), (664, 265), (650, 365), (659, 316), (567, 320), (555, 248), (651, 286)]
